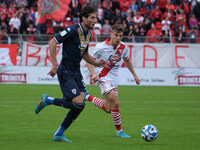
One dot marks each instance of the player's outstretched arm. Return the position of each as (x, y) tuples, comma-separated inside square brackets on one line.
[(131, 69), (52, 49), (95, 77), (98, 63)]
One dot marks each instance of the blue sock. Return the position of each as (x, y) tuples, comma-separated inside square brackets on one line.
[(60, 131), (50, 100)]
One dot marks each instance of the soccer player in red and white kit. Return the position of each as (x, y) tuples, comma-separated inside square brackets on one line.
[(112, 50)]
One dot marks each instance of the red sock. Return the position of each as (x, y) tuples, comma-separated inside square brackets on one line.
[(97, 102), (116, 118)]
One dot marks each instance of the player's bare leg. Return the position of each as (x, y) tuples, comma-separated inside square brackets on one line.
[(112, 98), (110, 104), (70, 117)]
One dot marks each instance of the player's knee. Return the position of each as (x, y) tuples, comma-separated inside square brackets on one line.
[(79, 105), (107, 110), (116, 105), (115, 102)]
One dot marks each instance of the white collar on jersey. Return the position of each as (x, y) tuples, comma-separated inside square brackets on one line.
[(81, 27), (107, 42)]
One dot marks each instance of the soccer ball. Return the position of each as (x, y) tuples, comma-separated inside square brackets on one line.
[(149, 133)]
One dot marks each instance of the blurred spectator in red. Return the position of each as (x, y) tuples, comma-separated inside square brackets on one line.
[(186, 8), (49, 28), (180, 35), (149, 5), (170, 6), (156, 14), (133, 7), (124, 5), (100, 13), (15, 21), (168, 14), (162, 5), (138, 19), (158, 27), (115, 5), (181, 20), (193, 22), (153, 35), (3, 11), (67, 22), (12, 10), (75, 10), (106, 28), (107, 5), (192, 35)]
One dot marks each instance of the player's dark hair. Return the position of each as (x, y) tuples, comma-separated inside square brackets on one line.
[(86, 11), (118, 28)]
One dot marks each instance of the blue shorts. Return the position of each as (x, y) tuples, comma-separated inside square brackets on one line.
[(71, 85)]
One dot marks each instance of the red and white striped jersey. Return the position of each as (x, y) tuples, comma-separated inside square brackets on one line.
[(107, 52)]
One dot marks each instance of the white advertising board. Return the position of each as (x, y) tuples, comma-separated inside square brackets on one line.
[(148, 76), (145, 55)]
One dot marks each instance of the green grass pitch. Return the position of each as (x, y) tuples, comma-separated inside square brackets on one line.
[(175, 111)]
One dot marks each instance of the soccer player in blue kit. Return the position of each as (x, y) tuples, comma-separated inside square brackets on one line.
[(75, 39)]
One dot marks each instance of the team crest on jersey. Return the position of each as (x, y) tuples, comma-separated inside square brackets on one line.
[(84, 42), (74, 91), (114, 58), (83, 45), (120, 51)]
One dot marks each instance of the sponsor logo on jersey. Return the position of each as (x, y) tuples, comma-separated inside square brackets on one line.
[(114, 58), (74, 91), (120, 51), (83, 45), (63, 33)]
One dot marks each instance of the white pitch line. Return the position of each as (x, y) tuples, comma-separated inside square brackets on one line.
[(165, 102), (147, 109)]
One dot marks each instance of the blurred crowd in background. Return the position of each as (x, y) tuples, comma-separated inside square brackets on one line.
[(140, 18)]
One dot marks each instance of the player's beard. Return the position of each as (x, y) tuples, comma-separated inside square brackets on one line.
[(89, 25)]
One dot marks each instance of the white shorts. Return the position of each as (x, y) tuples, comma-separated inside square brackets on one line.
[(106, 85)]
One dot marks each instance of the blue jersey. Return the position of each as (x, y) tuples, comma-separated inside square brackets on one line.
[(75, 44)]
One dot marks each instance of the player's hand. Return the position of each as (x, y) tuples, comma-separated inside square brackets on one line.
[(95, 77), (137, 80), (103, 63), (53, 71)]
